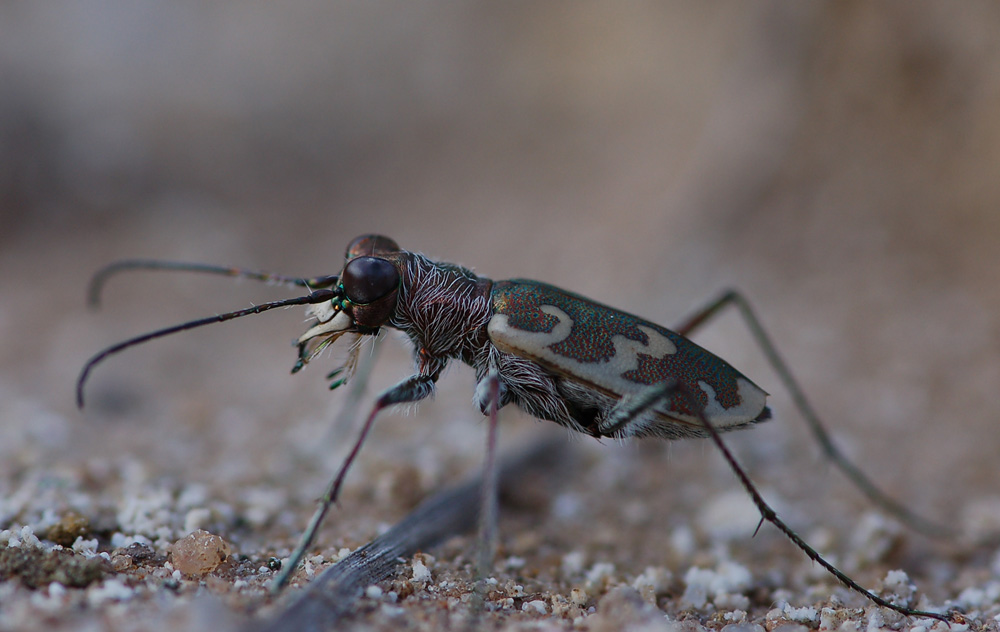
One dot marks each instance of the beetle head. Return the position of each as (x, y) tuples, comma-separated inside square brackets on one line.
[(365, 299)]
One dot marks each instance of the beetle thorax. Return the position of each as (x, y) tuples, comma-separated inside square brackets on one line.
[(443, 308)]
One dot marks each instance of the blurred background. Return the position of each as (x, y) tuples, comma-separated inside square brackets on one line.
[(837, 162)]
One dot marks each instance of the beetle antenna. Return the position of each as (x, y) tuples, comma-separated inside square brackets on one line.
[(101, 277), (318, 296)]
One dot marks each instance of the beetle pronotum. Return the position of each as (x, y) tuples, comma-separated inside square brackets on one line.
[(557, 355)]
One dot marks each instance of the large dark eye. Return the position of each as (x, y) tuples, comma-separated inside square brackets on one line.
[(367, 279)]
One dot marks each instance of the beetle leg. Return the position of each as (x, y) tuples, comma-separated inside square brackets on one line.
[(490, 390), (488, 502), (767, 513), (819, 431), (412, 389), (628, 409)]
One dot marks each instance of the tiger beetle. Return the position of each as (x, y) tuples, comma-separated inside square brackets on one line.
[(557, 355)]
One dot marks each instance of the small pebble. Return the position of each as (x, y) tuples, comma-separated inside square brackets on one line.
[(199, 553)]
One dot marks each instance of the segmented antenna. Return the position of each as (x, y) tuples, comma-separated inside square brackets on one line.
[(315, 297), (101, 277)]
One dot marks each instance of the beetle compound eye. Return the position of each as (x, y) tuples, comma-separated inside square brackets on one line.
[(367, 279)]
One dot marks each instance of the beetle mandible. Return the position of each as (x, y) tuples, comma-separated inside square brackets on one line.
[(557, 355)]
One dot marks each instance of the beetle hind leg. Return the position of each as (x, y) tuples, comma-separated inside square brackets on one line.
[(628, 416), (831, 451)]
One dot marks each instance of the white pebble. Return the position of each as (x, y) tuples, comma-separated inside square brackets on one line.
[(87, 548), (420, 572), (109, 590), (537, 605), (805, 614)]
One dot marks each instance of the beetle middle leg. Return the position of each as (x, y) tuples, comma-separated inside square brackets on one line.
[(488, 511), (805, 408)]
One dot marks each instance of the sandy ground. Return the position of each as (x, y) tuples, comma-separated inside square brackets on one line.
[(834, 161)]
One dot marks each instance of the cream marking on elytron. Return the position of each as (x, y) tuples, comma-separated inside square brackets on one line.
[(752, 399)]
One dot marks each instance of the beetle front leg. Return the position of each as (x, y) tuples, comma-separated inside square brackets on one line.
[(412, 389)]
